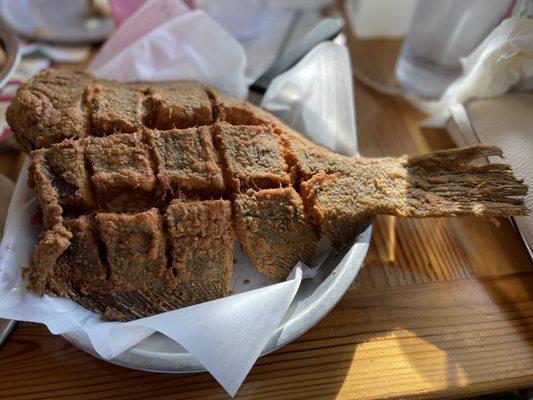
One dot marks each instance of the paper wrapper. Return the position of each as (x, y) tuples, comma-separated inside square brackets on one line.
[(225, 335)]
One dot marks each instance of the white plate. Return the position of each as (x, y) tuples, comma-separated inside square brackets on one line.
[(315, 298), (58, 21)]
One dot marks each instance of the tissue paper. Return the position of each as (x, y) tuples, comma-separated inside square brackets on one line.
[(312, 105), (164, 41), (227, 335)]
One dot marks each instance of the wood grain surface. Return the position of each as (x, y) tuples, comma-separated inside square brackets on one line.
[(442, 308)]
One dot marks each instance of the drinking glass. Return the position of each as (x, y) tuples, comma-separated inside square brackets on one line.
[(441, 32)]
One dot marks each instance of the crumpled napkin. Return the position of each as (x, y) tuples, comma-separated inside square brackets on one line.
[(176, 44), (502, 62), (225, 335)]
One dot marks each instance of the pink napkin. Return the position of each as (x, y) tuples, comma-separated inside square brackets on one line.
[(122, 9), (134, 25), (165, 40)]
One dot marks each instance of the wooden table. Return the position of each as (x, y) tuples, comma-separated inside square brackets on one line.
[(441, 308)]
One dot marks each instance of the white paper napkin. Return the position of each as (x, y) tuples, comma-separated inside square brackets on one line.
[(312, 105), (165, 41), (225, 335), (503, 121)]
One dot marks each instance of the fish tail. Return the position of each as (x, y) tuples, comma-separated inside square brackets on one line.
[(451, 183)]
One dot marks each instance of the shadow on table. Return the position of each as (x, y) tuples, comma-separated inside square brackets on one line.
[(306, 368), (501, 333), (416, 335), (446, 334), (409, 325)]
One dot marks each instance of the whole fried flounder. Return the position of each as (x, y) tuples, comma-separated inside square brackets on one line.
[(143, 189)]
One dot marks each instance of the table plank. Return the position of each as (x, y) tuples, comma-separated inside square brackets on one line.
[(445, 338)]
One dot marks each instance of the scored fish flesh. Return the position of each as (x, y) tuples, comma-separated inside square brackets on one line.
[(144, 188)]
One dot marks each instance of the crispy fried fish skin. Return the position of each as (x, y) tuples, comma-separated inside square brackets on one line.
[(48, 195), (306, 158), (114, 108), (200, 246), (252, 156), (130, 277), (227, 108), (201, 237), (274, 230), (120, 162), (53, 242), (186, 160), (60, 178), (48, 108), (135, 246), (199, 218), (141, 190), (66, 164), (81, 265), (57, 104), (183, 104)]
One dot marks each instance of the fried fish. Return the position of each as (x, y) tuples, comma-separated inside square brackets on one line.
[(144, 188)]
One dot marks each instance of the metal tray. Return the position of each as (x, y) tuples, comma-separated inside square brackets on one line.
[(313, 301)]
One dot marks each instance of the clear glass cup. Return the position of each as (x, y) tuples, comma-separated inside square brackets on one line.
[(441, 32)]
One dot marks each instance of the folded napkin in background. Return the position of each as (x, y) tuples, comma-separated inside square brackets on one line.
[(503, 121), (164, 41)]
